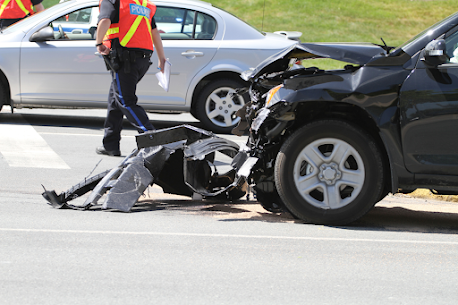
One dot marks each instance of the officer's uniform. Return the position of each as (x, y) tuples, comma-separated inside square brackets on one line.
[(129, 36), (11, 11)]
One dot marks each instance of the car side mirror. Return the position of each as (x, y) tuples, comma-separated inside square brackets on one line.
[(434, 53), (44, 34)]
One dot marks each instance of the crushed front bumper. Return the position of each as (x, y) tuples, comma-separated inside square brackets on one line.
[(182, 160)]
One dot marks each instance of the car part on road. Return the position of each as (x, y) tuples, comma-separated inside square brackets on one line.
[(182, 160)]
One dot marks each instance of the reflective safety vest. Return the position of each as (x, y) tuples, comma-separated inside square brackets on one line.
[(134, 27), (15, 9)]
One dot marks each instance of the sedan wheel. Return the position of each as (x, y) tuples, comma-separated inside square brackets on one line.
[(217, 105), (329, 172)]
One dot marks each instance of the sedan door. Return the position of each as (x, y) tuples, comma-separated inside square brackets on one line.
[(64, 71)]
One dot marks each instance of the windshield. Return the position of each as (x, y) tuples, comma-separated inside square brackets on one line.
[(425, 34)]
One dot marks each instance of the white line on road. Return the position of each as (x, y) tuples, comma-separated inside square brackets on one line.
[(403, 241), (22, 146)]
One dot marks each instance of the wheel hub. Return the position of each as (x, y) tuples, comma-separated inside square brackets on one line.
[(329, 173), (225, 106)]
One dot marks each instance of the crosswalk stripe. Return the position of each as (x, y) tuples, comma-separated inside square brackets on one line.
[(22, 146)]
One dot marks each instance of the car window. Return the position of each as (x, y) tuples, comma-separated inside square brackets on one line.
[(205, 27), (181, 24), (451, 44), (78, 25)]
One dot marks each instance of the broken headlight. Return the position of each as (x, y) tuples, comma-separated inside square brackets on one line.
[(277, 94), (272, 96)]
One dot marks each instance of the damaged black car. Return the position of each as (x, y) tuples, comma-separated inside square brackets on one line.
[(323, 145), (332, 143)]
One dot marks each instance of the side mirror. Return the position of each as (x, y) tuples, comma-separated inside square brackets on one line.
[(44, 34), (434, 53)]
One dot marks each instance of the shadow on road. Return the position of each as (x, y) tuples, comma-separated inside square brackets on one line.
[(403, 219), (87, 122), (379, 218), (236, 211)]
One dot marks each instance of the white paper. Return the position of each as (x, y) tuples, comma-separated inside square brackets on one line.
[(164, 78)]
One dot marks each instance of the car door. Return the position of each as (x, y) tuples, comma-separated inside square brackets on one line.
[(190, 38), (64, 71), (429, 115)]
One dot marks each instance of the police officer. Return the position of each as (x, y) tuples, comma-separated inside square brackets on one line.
[(11, 11), (126, 36)]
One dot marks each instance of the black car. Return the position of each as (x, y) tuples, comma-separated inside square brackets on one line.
[(332, 143)]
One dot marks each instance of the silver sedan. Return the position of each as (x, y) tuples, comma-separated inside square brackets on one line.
[(49, 60)]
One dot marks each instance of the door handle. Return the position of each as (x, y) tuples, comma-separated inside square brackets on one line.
[(192, 54)]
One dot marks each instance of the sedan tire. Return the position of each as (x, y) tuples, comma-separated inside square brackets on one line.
[(329, 172), (217, 105)]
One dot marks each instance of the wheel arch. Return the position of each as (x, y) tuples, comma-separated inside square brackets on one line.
[(6, 85), (352, 114), (209, 78)]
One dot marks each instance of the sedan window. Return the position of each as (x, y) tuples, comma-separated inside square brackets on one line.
[(182, 24), (78, 25)]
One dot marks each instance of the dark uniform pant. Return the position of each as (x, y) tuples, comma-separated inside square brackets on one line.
[(122, 101)]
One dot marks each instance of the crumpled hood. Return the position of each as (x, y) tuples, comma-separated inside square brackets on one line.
[(354, 53)]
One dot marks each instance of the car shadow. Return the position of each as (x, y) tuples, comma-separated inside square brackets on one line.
[(408, 220), (379, 218)]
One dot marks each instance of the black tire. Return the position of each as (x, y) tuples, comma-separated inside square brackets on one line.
[(270, 201), (214, 110), (329, 172)]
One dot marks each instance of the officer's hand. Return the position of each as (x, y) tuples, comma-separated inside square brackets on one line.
[(102, 49), (161, 64)]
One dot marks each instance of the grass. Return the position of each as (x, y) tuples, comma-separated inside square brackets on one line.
[(396, 21), (339, 21)]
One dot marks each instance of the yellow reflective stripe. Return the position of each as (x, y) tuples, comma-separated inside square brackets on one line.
[(112, 31), (22, 7), (3, 6), (131, 31), (148, 23), (135, 25)]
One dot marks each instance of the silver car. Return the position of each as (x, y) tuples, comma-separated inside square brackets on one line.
[(49, 60)]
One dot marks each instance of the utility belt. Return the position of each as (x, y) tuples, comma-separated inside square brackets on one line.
[(123, 58)]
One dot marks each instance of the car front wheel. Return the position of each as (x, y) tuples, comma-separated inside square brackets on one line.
[(217, 105), (329, 172)]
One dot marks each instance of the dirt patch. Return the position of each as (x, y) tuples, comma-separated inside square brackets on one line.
[(427, 194)]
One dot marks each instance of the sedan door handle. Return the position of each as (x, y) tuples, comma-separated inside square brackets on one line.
[(192, 54)]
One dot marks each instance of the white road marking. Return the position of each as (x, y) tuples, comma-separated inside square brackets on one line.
[(22, 146), (397, 241)]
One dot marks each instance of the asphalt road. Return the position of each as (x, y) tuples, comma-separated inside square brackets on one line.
[(174, 250)]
